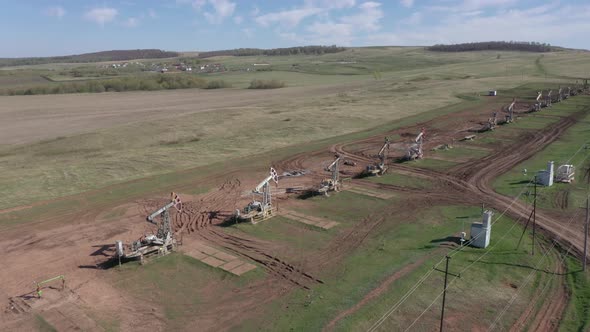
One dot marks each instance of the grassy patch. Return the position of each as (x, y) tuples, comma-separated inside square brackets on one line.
[(577, 315), (534, 121), (287, 232), (468, 97), (431, 163), (402, 180), (345, 207), (486, 139), (79, 163), (217, 84), (514, 181), (397, 244), (178, 284), (42, 177), (460, 152), (43, 325)]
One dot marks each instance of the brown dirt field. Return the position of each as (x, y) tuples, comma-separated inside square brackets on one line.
[(80, 247), (27, 119)]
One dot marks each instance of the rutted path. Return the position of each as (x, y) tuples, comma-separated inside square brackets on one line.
[(472, 182)]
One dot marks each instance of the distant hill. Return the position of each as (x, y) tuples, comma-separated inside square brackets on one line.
[(495, 46), (308, 50), (115, 55)]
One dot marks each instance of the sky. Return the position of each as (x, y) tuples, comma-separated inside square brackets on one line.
[(62, 27)]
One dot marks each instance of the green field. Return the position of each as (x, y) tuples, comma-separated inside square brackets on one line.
[(397, 245), (397, 179), (374, 91), (577, 317), (127, 152), (571, 148)]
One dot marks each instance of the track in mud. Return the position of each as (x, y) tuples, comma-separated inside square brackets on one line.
[(467, 183)]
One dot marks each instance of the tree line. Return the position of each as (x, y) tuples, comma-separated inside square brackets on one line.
[(308, 50), (493, 45), (115, 55), (145, 83)]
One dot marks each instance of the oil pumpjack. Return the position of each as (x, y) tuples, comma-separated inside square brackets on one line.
[(257, 211), (415, 150), (537, 105), (510, 110), (492, 122), (332, 183), (161, 243), (548, 99), (379, 168)]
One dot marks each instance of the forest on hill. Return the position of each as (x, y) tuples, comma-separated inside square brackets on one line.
[(308, 50), (114, 55), (493, 45)]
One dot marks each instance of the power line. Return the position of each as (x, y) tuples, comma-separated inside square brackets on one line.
[(389, 312), (489, 250), (509, 304), (463, 271), (392, 309)]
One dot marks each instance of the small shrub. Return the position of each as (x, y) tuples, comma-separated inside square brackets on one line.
[(266, 84), (217, 84)]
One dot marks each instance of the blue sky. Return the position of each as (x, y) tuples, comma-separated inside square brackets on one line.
[(60, 27)]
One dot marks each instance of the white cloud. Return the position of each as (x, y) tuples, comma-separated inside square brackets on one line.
[(238, 19), (290, 18), (197, 4), (101, 15), (215, 11), (221, 10), (471, 5), (325, 33), (131, 22), (407, 3), (329, 4), (367, 19), (56, 11), (545, 23), (479, 4), (342, 31)]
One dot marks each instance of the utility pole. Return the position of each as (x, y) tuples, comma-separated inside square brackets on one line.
[(442, 314), (446, 271), (526, 226), (534, 215), (587, 177), (586, 234)]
